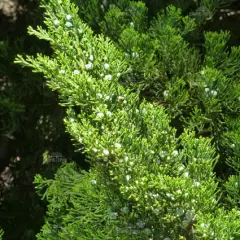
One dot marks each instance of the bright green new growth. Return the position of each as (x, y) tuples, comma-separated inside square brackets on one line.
[(144, 182)]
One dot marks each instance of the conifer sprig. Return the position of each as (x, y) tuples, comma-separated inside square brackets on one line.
[(144, 178)]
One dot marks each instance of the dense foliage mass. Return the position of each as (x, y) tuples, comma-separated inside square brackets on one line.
[(156, 116)]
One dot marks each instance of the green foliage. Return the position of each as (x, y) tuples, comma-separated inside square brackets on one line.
[(213, 4), (117, 19), (87, 208), (233, 191), (224, 225), (1, 234), (144, 182), (199, 93), (159, 54)]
